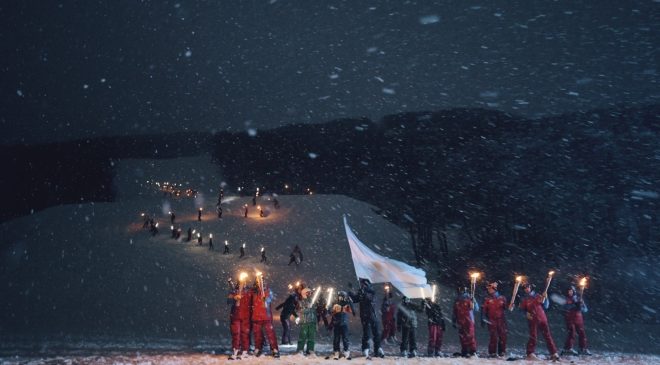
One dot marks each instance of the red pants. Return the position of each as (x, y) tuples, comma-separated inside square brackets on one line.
[(466, 336), (240, 334), (259, 327), (435, 338), (497, 330), (389, 328), (545, 330), (573, 326)]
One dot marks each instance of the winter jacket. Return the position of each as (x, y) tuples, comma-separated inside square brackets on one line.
[(261, 310), (494, 306), (289, 306), (464, 307), (406, 316), (307, 314), (534, 306), (434, 314), (340, 312), (240, 304), (366, 299), (574, 307)]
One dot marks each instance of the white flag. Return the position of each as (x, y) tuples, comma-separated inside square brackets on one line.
[(410, 280)]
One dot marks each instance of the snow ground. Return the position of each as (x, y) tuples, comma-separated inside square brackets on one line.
[(85, 284)]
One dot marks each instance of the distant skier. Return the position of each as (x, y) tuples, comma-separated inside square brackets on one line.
[(245, 213), (463, 319), (263, 255), (199, 215), (172, 217), (366, 297), (307, 321), (262, 318), (288, 308), (295, 256), (219, 209), (436, 325), (146, 222), (494, 308), (199, 239), (534, 304), (261, 212), (173, 231), (574, 307), (339, 325), (406, 322), (387, 315), (210, 242), (154, 229), (254, 200), (189, 238), (226, 251), (240, 301), (242, 251)]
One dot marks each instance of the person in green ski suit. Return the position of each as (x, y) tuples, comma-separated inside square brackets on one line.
[(308, 321)]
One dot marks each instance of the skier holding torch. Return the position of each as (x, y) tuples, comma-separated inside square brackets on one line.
[(239, 319), (262, 316), (534, 306), (574, 307)]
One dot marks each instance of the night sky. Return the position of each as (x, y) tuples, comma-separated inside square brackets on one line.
[(79, 69)]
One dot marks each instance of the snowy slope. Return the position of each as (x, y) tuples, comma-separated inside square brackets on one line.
[(88, 283)]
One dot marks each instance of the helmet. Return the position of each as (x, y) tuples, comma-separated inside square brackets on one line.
[(462, 289), (571, 287), (529, 285)]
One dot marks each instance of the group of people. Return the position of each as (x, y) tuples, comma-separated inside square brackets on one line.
[(251, 315)]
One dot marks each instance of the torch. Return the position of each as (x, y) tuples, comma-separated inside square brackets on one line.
[(329, 297), (421, 290), (473, 278), (387, 289), (548, 280), (260, 281), (433, 294), (583, 284), (316, 295), (515, 292), (242, 278)]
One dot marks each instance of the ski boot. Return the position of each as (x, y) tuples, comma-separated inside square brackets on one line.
[(554, 357), (276, 354), (380, 353), (533, 357), (347, 355), (404, 353), (366, 354), (585, 352), (570, 352), (412, 354)]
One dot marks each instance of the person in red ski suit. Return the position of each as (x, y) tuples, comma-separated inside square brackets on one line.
[(436, 324), (463, 318), (262, 319), (574, 308), (387, 311), (240, 301), (534, 306), (493, 315)]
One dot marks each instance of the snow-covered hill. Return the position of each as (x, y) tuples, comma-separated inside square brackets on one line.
[(86, 283)]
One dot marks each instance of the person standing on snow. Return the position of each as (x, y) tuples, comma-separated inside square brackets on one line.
[(239, 300), (262, 318), (339, 325), (574, 307), (436, 324), (494, 307), (533, 305), (365, 297), (288, 308), (387, 315), (307, 321), (463, 319), (406, 322)]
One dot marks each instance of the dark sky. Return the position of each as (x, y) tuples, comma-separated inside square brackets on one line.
[(79, 69)]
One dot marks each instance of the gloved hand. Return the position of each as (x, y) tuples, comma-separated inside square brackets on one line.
[(483, 324), (297, 320)]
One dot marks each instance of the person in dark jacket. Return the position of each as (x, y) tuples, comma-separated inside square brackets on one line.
[(366, 297), (339, 324), (406, 322), (574, 308), (288, 308), (436, 324)]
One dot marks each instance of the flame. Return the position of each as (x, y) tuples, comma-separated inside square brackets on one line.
[(550, 273), (262, 249), (226, 243), (475, 275), (290, 286), (387, 288), (422, 291), (297, 283), (244, 245), (519, 279), (211, 235), (583, 282), (242, 276)]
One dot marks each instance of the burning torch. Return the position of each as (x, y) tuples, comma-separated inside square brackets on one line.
[(583, 284), (473, 281), (329, 298), (433, 293), (242, 278), (548, 280), (515, 291), (316, 295), (260, 282)]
